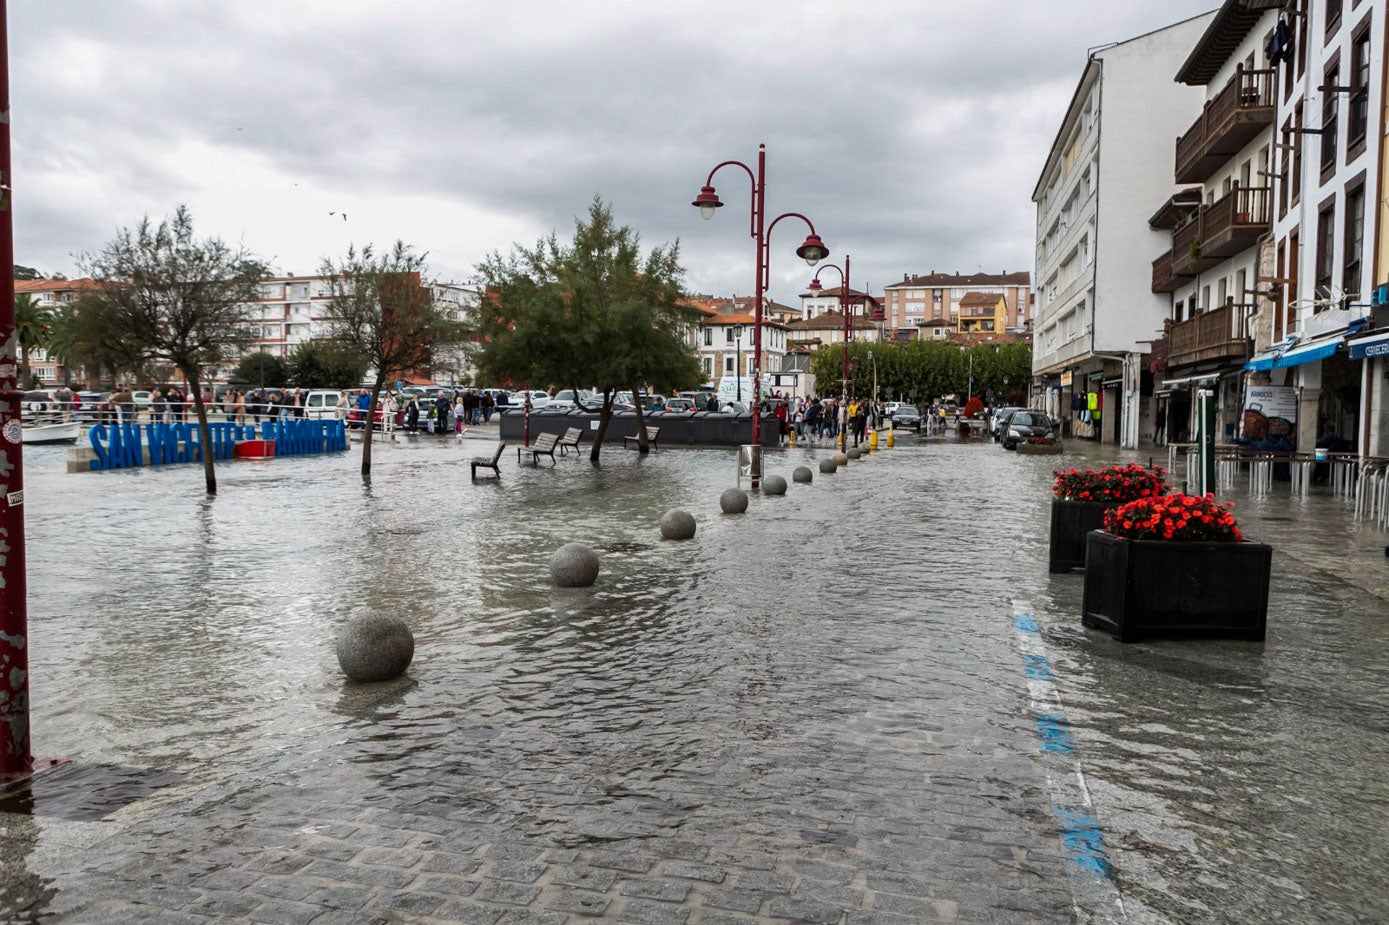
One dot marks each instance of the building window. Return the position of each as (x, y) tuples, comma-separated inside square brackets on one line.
[(708, 364), (728, 365), (1326, 246), (1355, 241), (1330, 111), (1358, 110), (1333, 17), (1295, 188), (708, 337)]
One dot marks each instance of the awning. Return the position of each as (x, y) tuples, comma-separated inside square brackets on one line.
[(1204, 377), (1262, 361), (1376, 345), (1309, 352)]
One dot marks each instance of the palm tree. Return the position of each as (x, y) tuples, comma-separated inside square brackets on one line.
[(31, 325), (64, 341)]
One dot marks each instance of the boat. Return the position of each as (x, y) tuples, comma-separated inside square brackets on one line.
[(37, 433)]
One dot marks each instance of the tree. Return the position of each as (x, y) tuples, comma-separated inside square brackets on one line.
[(382, 314), (324, 365), (32, 324), (595, 312), (21, 272), (261, 369), (174, 297)]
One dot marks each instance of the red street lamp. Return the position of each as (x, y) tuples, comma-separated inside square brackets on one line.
[(15, 759), (812, 251), (844, 310)]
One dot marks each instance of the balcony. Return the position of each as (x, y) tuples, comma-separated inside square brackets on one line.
[(1230, 225), (1216, 335), (1165, 278), (1229, 121)]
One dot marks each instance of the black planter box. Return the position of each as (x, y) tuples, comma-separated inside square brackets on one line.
[(1071, 521), (1138, 588)]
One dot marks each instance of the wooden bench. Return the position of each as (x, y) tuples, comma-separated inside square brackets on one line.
[(544, 445), (570, 438), (482, 462), (651, 434)]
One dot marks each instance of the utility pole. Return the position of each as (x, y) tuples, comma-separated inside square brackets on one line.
[(15, 759)]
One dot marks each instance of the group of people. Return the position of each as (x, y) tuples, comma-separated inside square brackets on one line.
[(413, 413), (815, 418)]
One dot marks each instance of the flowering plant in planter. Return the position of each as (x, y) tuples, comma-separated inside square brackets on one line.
[(1114, 484), (974, 407), (1177, 517)]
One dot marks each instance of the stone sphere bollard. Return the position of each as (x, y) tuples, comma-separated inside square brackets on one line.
[(733, 501), (841, 459), (677, 525), (375, 647), (774, 485), (802, 474), (827, 466), (855, 453), (574, 565)]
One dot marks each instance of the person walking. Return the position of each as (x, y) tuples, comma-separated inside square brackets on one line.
[(1160, 425), (488, 404)]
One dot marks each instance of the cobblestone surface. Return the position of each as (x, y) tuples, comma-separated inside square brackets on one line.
[(842, 737)]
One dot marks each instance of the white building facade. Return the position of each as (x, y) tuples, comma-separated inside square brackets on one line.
[(1095, 313)]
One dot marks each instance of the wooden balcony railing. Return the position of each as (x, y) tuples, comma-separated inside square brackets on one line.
[(1226, 227), (1214, 335), (1227, 123), (1165, 279)]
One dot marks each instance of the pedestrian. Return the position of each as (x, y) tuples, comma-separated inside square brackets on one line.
[(488, 404), (343, 403), (412, 415), (1160, 425)]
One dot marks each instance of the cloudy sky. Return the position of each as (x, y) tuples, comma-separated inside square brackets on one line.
[(911, 132)]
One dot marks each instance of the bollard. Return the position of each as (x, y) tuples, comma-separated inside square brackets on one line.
[(791, 436), (891, 438), (873, 441)]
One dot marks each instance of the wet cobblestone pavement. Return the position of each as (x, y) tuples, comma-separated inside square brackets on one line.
[(830, 709)]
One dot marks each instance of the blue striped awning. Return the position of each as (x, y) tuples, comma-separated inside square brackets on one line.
[(1310, 352)]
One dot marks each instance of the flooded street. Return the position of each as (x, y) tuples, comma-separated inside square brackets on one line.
[(818, 711)]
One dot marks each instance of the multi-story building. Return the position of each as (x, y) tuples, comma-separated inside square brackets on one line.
[(925, 303), (723, 342), (53, 295), (982, 313), (819, 301), (1095, 313), (1329, 191), (1217, 222)]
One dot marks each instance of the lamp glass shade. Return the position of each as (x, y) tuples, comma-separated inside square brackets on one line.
[(815, 286), (707, 201), (813, 250)]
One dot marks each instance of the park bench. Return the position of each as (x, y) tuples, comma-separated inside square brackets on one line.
[(651, 434), (544, 445), (482, 462), (570, 438)]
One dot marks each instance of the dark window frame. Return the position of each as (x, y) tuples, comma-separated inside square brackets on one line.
[(1333, 20), (1355, 188), (1359, 99), (1330, 134), (1324, 272)]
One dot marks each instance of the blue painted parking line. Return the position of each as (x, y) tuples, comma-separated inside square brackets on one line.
[(1094, 894)]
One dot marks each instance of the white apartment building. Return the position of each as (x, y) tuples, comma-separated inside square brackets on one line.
[(1218, 221), (932, 301), (723, 344), (1095, 312), (1330, 126), (818, 302)]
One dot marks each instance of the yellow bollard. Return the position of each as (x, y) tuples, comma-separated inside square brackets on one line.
[(873, 441), (791, 434), (891, 438)]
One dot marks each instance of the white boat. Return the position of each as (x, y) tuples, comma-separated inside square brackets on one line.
[(34, 433)]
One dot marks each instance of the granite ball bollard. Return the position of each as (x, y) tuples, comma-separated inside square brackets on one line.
[(841, 459), (802, 474), (733, 501), (827, 466), (855, 453), (774, 485), (677, 525), (375, 647), (574, 565)]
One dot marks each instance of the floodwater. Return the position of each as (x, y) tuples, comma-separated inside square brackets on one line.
[(842, 660)]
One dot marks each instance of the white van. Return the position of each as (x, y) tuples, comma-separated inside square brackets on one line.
[(321, 403)]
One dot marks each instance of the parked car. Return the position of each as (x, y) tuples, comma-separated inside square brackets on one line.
[(1019, 425), (142, 399), (998, 417), (39, 401), (734, 407), (681, 406), (91, 407), (321, 403), (905, 416)]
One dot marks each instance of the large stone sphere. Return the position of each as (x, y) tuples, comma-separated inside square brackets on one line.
[(677, 525), (854, 453), (774, 485), (733, 501), (827, 466), (802, 474), (841, 459), (574, 565), (375, 647)]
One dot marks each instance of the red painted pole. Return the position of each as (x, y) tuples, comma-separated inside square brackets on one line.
[(15, 759), (844, 391), (759, 205)]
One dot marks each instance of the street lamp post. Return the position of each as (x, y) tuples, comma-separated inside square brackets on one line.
[(738, 359), (848, 334), (15, 759), (812, 251)]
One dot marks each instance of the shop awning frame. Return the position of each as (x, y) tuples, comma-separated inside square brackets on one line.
[(1374, 345)]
